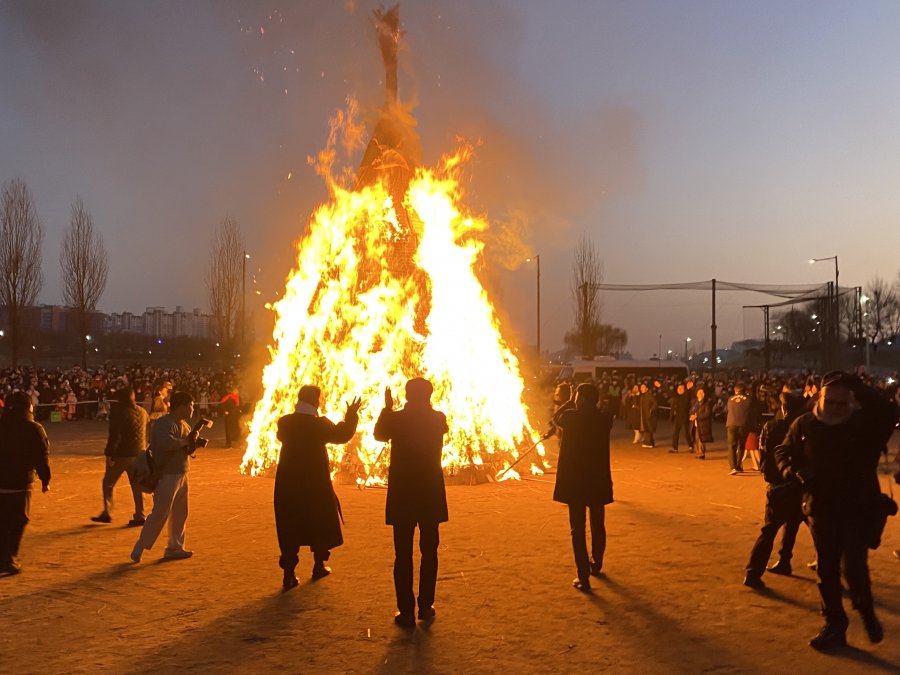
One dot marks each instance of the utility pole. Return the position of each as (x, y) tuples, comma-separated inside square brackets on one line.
[(537, 260), (243, 299), (712, 355)]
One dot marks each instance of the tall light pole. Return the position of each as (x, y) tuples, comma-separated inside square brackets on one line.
[(537, 261), (243, 297), (862, 314), (836, 313), (686, 340)]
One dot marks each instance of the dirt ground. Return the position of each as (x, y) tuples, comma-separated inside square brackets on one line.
[(672, 601)]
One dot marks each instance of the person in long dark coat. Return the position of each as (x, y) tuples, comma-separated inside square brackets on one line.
[(307, 511), (702, 418), (680, 411), (24, 452), (583, 477), (649, 408), (416, 494), (633, 412)]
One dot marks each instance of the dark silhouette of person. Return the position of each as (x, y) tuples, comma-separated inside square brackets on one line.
[(680, 412), (783, 499), (416, 495), (231, 409), (583, 476), (126, 439), (307, 511), (24, 451), (833, 451)]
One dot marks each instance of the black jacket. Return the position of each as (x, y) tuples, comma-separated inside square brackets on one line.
[(415, 478), (306, 508), (583, 476), (24, 451), (127, 430), (703, 423), (648, 412), (773, 434), (837, 465), (681, 407)]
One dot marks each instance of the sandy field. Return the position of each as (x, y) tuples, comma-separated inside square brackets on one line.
[(680, 533)]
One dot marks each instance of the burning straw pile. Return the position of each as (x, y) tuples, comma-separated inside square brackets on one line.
[(384, 290)]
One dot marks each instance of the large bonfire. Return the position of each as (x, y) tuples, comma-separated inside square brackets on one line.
[(384, 290)]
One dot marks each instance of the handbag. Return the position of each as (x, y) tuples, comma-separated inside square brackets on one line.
[(883, 507), (145, 473)]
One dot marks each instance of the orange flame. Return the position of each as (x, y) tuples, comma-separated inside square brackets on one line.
[(352, 324)]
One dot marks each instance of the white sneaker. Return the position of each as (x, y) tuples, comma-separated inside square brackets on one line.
[(180, 554), (137, 552)]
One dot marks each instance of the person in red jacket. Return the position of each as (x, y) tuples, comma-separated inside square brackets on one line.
[(230, 405)]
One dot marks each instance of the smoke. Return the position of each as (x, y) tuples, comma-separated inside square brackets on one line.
[(166, 115)]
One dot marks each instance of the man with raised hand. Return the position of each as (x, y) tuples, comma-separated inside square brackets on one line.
[(416, 495)]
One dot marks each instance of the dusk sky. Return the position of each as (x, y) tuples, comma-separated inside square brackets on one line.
[(691, 140)]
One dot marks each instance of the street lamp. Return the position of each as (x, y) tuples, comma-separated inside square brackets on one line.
[(686, 340), (537, 261), (863, 299)]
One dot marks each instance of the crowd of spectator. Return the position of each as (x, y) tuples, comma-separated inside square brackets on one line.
[(79, 394), (628, 396)]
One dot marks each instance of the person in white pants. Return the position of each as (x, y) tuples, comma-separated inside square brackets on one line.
[(171, 443)]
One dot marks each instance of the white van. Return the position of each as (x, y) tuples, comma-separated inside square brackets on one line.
[(587, 369)]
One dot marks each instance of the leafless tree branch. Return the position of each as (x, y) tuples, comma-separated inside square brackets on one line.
[(85, 268), (21, 240), (223, 277), (587, 275)]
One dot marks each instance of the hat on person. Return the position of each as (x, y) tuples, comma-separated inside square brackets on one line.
[(837, 378)]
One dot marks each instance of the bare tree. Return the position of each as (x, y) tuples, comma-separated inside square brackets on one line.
[(894, 318), (223, 277), (587, 275), (21, 239), (604, 339), (85, 267), (878, 310)]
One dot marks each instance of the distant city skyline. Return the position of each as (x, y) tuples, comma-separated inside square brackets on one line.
[(692, 140)]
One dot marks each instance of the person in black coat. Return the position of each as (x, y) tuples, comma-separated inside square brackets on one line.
[(633, 412), (680, 412), (583, 477), (649, 408), (24, 451), (702, 417), (416, 494), (307, 511), (783, 499), (833, 452)]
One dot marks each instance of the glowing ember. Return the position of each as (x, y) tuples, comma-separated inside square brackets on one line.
[(385, 290)]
